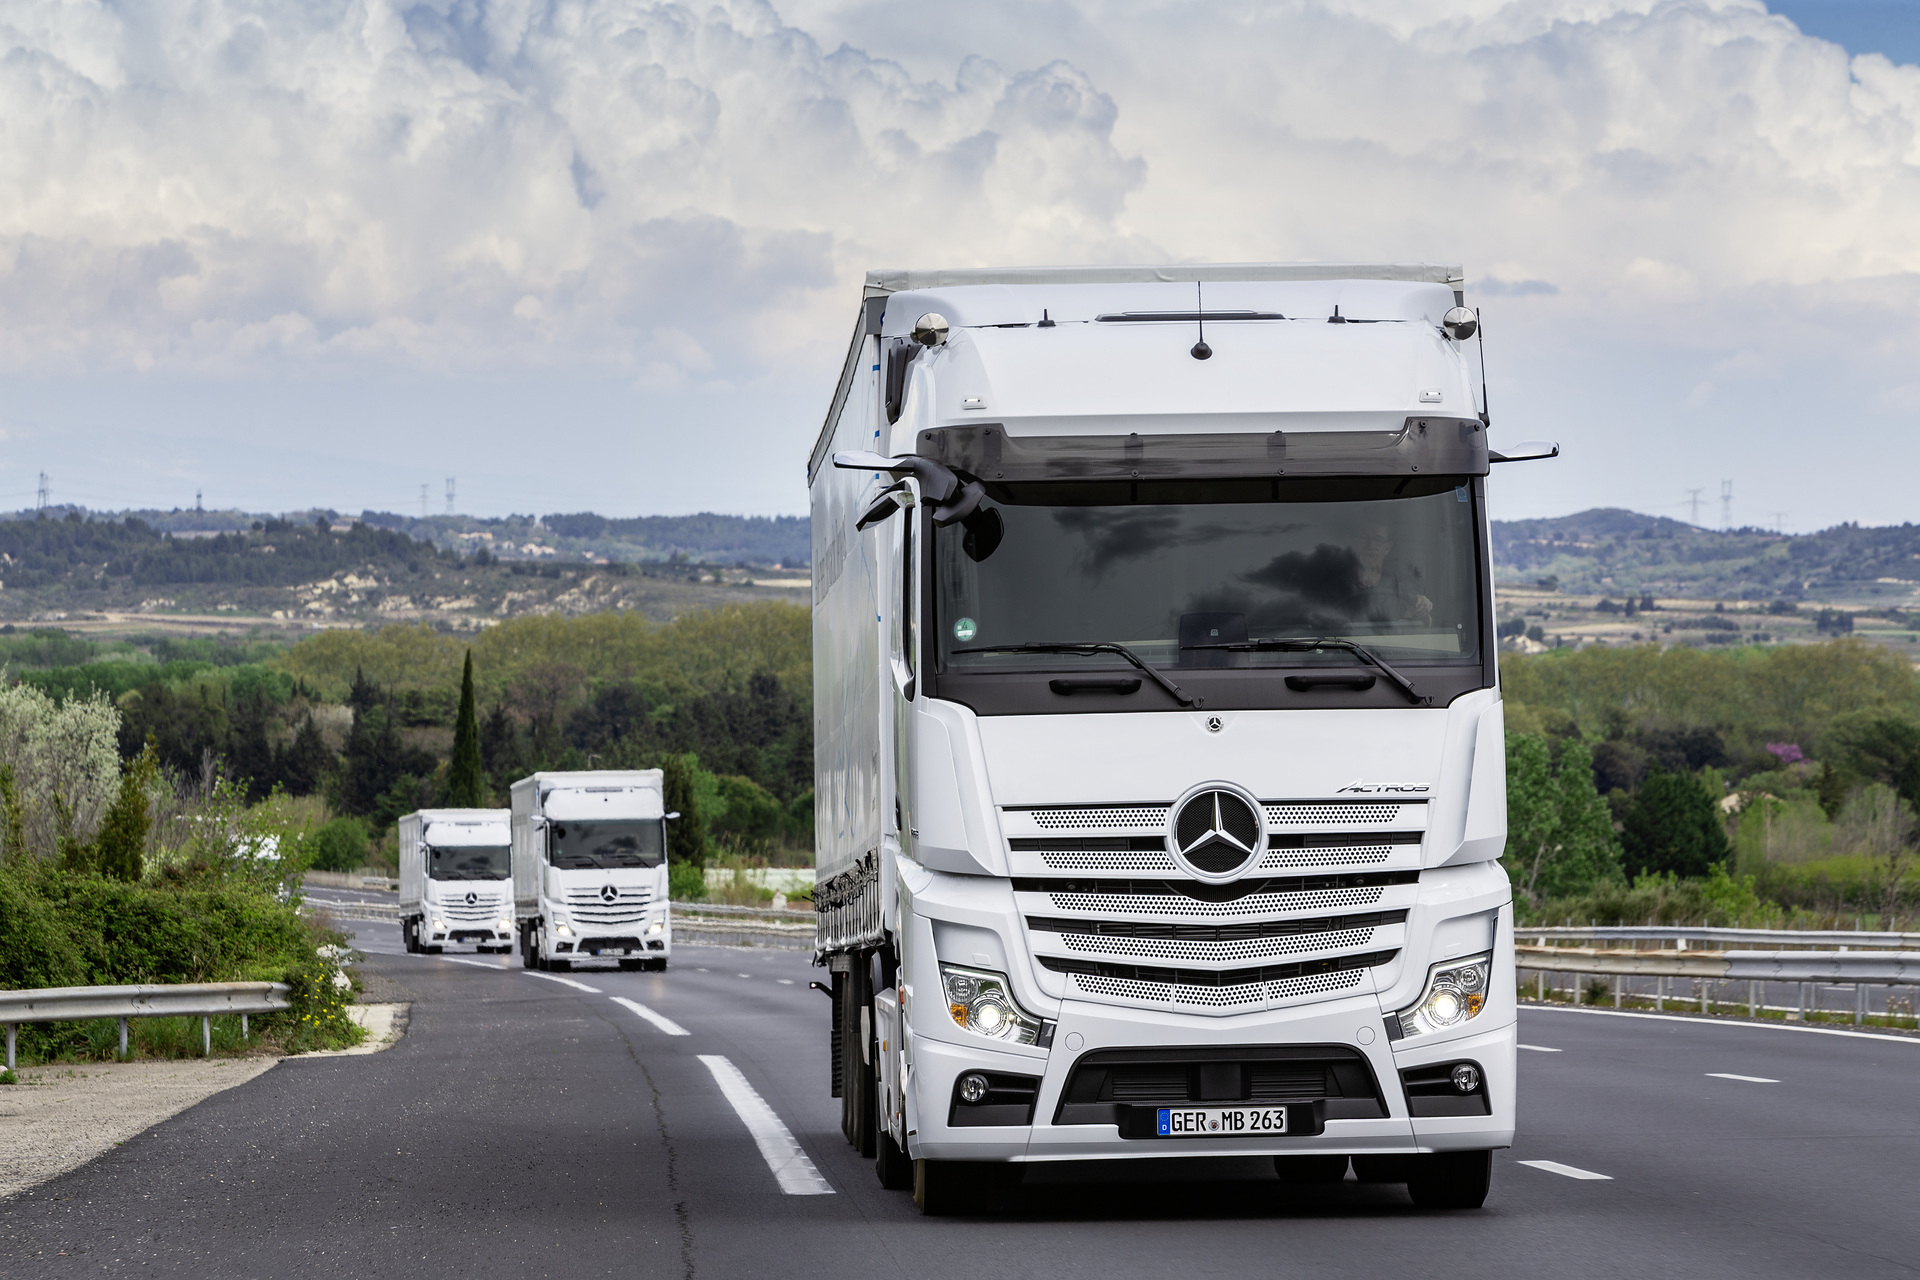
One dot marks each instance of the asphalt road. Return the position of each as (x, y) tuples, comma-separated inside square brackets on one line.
[(526, 1127)]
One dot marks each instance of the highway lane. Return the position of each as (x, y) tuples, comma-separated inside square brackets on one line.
[(526, 1127)]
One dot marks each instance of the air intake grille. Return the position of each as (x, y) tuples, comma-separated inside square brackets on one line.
[(1305, 815), (629, 905), (1101, 817)]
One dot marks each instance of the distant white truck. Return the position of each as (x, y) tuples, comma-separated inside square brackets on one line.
[(454, 869), (590, 869)]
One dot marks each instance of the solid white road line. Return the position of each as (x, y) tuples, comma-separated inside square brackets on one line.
[(1728, 1075), (783, 1155), (744, 975), (554, 977), (1566, 1170), (1537, 1048), (785, 982), (479, 964), (659, 1020)]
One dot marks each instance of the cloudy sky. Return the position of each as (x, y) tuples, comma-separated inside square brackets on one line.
[(604, 254)]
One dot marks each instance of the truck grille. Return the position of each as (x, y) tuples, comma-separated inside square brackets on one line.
[(487, 909), (629, 905), (1105, 899)]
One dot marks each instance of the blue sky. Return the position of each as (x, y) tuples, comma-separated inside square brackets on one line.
[(603, 254)]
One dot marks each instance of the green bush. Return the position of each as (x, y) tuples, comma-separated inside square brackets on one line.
[(340, 845), (686, 882)]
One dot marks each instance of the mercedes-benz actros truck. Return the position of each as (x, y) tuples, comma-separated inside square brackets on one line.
[(454, 872), (590, 869), (1160, 764)]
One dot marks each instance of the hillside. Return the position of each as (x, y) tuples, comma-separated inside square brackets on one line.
[(95, 574), (1610, 550)]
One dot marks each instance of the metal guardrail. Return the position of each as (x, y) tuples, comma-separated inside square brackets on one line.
[(796, 914), (1684, 934), (1709, 970), (171, 1000), (343, 910)]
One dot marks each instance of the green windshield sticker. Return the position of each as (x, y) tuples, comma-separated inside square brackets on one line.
[(964, 630)]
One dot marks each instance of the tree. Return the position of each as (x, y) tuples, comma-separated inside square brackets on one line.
[(466, 779), (687, 836), (1673, 825), (1560, 837), (119, 851)]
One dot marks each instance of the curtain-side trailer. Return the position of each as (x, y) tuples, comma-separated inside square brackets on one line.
[(1160, 762)]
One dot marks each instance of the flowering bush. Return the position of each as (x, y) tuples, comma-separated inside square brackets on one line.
[(317, 1006), (1785, 752)]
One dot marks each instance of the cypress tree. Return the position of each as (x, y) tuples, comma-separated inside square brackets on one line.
[(119, 851), (466, 780)]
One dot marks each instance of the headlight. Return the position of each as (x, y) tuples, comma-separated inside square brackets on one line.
[(560, 928), (658, 926), (1456, 992), (440, 924), (503, 926), (980, 1002)]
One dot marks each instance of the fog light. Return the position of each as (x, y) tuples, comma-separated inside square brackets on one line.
[(973, 1087), (1466, 1077)]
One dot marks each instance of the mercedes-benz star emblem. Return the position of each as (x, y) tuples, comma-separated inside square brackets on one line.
[(608, 893), (1213, 724), (472, 897), (1217, 832)]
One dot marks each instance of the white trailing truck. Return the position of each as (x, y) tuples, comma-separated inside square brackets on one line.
[(454, 875), (590, 869), (1160, 762)]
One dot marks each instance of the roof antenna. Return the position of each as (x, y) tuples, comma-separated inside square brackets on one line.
[(1480, 330), (1201, 351), (1046, 321), (1336, 317)]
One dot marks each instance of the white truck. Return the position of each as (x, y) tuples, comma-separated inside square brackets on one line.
[(453, 880), (590, 869), (1160, 759)]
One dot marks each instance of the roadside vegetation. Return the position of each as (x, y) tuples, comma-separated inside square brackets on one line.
[(1747, 786)]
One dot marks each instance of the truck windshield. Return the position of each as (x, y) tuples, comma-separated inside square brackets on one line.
[(469, 862), (582, 846), (1169, 568)]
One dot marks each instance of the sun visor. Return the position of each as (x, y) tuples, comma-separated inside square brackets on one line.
[(609, 803), (461, 835)]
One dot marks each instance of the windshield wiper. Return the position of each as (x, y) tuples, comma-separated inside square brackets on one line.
[(1088, 650), (1305, 645)]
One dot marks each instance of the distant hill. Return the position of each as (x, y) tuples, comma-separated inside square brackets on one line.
[(1608, 550), (707, 538)]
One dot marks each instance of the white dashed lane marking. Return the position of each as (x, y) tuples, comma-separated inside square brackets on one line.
[(1728, 1075), (1538, 1048), (659, 1020), (795, 1172), (554, 977), (1566, 1170)]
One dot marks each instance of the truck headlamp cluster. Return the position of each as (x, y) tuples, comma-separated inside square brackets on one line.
[(981, 1003), (503, 925), (560, 927), (1456, 993), (658, 926)]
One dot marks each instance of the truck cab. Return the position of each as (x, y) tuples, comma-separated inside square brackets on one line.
[(455, 880), (590, 869)]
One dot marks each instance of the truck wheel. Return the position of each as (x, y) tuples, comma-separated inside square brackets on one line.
[(409, 942), (526, 949), (945, 1187), (891, 1164), (1451, 1179), (1310, 1170)]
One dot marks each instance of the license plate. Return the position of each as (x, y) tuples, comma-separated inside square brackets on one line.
[(1220, 1122)]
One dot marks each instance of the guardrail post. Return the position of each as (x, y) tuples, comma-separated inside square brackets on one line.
[(1753, 999), (243, 1026), (1703, 995), (1803, 1001), (1540, 988), (1659, 995), (123, 1038), (9, 1046), (206, 1036), (1859, 1003), (1618, 980)]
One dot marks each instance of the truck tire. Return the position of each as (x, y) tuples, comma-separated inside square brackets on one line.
[(892, 1165), (1310, 1170), (945, 1187), (409, 939), (1451, 1179), (526, 948)]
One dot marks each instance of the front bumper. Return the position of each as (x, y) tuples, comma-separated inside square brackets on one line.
[(1348, 1026)]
